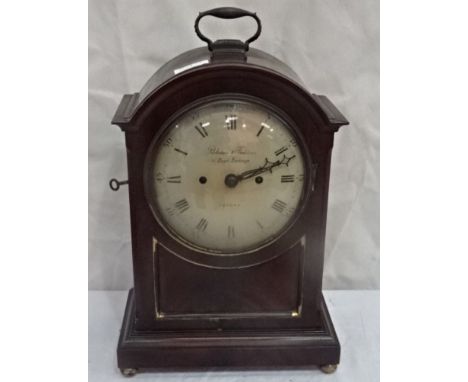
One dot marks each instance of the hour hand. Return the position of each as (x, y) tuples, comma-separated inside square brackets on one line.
[(267, 166), (257, 171), (231, 180)]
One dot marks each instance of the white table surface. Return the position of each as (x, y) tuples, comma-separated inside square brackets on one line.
[(355, 315)]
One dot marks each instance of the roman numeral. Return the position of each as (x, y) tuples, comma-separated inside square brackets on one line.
[(290, 211), (167, 142), (260, 131), (278, 205), (201, 129), (287, 178), (231, 122), (202, 224), (180, 151), (174, 179), (182, 206), (280, 151), (159, 177), (230, 232)]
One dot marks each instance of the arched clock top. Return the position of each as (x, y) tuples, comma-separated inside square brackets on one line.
[(199, 57), (200, 60)]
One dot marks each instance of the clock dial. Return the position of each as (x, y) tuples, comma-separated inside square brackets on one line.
[(227, 178)]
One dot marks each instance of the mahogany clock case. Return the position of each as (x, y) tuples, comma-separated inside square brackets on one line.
[(192, 309)]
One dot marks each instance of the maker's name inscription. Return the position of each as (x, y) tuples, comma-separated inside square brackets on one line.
[(235, 155), (239, 150)]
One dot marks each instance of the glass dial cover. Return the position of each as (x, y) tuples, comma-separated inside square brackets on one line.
[(226, 177)]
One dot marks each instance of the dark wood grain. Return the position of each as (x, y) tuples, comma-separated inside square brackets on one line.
[(191, 309), (203, 349)]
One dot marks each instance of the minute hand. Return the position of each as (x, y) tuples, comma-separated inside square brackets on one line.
[(268, 166)]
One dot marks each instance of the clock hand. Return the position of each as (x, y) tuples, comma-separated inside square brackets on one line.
[(268, 166), (231, 180)]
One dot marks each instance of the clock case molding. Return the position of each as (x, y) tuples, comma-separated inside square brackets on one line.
[(227, 311)]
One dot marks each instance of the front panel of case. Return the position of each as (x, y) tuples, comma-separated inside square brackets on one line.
[(179, 288)]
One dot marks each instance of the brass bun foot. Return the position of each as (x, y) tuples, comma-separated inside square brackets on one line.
[(129, 372), (328, 369)]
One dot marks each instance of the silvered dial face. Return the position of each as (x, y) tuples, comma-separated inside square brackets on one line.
[(227, 177)]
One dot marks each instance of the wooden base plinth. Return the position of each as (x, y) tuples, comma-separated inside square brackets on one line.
[(195, 350)]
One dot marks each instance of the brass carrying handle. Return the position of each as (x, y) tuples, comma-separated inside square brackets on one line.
[(228, 13)]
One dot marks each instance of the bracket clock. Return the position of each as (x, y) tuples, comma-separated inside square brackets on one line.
[(228, 170)]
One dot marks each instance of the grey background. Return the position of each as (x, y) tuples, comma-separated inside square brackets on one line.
[(333, 45)]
